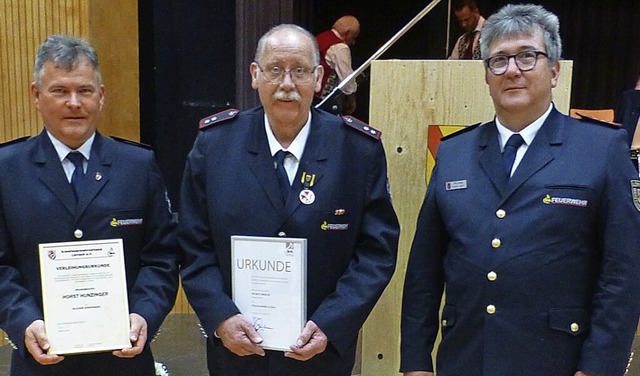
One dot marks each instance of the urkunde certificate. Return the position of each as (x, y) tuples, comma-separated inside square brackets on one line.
[(269, 286), (84, 295)]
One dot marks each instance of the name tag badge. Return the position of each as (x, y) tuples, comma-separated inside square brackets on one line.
[(455, 185)]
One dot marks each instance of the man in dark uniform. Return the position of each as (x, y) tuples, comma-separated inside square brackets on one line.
[(344, 210), (529, 227), (122, 196)]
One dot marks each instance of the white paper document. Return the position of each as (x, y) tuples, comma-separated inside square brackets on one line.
[(84, 295), (269, 286)]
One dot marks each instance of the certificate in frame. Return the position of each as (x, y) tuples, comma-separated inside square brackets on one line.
[(84, 296), (269, 286)]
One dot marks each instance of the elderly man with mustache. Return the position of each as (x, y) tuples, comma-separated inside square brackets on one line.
[(286, 170)]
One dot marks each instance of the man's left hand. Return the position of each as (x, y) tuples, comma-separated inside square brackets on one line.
[(137, 336), (312, 341)]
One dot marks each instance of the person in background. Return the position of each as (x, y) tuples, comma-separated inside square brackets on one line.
[(282, 170), (467, 46), (335, 58), (119, 193), (627, 113), (529, 227)]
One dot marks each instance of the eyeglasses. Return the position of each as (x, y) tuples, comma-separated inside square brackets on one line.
[(525, 61), (299, 75)]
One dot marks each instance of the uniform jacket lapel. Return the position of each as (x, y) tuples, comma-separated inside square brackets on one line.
[(539, 153), (51, 173), (262, 165), (315, 153), (98, 172), (491, 157)]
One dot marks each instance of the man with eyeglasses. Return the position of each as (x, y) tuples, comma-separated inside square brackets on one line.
[(287, 170), (529, 228)]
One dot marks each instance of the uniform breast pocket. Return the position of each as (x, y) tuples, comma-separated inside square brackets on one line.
[(128, 221), (570, 207), (334, 221), (568, 197)]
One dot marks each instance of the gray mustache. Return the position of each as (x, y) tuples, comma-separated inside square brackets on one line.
[(287, 96)]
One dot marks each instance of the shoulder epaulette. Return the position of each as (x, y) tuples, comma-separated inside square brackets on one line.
[(461, 131), (219, 117), (129, 142), (14, 141), (362, 127), (592, 120)]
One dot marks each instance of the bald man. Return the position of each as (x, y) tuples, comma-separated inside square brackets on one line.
[(335, 57)]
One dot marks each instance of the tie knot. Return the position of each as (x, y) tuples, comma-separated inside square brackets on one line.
[(76, 158), (280, 156), (514, 141)]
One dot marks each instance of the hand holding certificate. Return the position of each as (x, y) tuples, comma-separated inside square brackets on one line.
[(269, 286), (84, 295)]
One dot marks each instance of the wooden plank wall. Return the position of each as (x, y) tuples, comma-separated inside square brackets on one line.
[(406, 97), (23, 26)]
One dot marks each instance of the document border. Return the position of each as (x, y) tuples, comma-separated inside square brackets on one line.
[(119, 324), (297, 318)]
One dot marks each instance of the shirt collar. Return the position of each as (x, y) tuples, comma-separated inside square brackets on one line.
[(337, 34), (528, 133), (63, 149), (297, 146), (480, 24)]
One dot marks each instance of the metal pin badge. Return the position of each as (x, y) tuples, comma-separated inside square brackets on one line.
[(307, 196)]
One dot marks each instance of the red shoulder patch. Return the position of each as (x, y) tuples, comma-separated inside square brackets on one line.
[(362, 127), (219, 117)]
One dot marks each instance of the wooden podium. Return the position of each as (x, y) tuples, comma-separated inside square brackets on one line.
[(407, 97)]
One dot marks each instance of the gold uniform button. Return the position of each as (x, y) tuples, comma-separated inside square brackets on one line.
[(501, 213), (491, 276), (78, 234), (282, 234), (491, 309), (444, 323), (495, 243), (575, 327)]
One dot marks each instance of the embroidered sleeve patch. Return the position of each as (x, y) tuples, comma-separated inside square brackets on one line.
[(635, 193)]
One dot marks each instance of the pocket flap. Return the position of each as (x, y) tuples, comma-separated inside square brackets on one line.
[(448, 316), (569, 320)]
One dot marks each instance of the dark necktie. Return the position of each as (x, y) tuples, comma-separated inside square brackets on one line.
[(468, 53), (283, 179), (509, 152), (78, 173)]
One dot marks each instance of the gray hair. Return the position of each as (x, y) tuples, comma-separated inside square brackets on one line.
[(289, 27), (65, 52), (524, 19)]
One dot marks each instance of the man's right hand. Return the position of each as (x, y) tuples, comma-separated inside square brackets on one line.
[(239, 336), (37, 343), (418, 373)]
